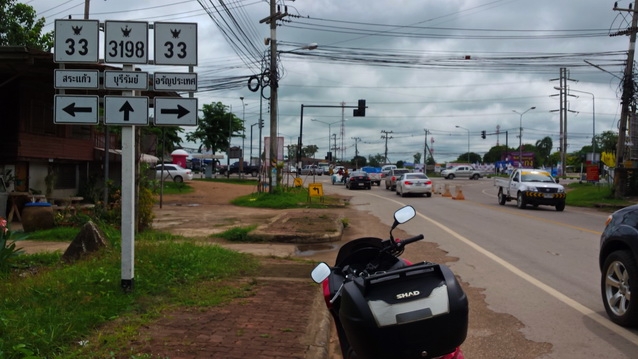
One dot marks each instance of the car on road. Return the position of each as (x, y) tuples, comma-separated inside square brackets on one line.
[(618, 261), (173, 172), (311, 170), (462, 172), (358, 179), (414, 183), (392, 176)]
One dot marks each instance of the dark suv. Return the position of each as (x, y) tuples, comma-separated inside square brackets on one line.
[(618, 260), (392, 177)]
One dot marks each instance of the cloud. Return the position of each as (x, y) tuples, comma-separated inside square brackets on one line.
[(421, 65)]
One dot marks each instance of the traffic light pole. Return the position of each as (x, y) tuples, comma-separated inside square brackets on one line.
[(359, 111)]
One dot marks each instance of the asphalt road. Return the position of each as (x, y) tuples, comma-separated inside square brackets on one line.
[(539, 265)]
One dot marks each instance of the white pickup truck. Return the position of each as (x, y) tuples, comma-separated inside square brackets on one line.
[(533, 187)]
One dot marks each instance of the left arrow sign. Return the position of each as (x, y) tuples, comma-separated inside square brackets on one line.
[(71, 109), (76, 109)]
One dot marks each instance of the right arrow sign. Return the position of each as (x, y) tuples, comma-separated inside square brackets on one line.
[(172, 111)]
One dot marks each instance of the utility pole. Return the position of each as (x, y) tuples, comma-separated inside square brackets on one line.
[(274, 84), (356, 149), (425, 151), (620, 177), (564, 76), (343, 129), (386, 138)]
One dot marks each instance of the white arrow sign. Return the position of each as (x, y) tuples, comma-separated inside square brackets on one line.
[(76, 109), (175, 111), (126, 110)]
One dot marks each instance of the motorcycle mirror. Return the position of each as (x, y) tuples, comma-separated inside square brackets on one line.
[(320, 273), (404, 214)]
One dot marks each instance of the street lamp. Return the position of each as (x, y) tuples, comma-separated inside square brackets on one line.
[(329, 131), (520, 135), (468, 144), (593, 117)]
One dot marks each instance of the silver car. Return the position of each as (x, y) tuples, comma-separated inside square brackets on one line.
[(392, 176), (414, 183)]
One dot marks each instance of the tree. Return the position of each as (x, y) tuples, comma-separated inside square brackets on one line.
[(417, 158), (473, 157), (495, 154), (358, 161), (214, 127), (309, 151), (543, 150), (606, 142), (19, 27), (376, 160)]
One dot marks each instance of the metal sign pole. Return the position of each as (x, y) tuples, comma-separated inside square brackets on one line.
[(128, 201)]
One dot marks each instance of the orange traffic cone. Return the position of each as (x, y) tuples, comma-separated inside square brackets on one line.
[(459, 193), (447, 191)]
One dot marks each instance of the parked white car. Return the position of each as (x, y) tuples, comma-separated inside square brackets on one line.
[(173, 172)]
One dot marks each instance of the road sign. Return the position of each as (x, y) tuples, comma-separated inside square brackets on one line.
[(76, 109), (77, 79), (126, 110), (76, 41), (175, 43), (126, 42), (175, 111), (125, 80), (175, 81)]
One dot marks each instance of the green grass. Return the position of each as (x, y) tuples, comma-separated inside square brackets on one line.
[(237, 234), (47, 306), (283, 199), (591, 195), (57, 234), (247, 180)]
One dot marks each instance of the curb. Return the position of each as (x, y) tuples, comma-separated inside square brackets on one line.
[(319, 330)]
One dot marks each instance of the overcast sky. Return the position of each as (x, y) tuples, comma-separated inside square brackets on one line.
[(420, 65)]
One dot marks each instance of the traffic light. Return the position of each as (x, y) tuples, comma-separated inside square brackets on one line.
[(261, 123), (483, 134), (329, 156), (360, 111)]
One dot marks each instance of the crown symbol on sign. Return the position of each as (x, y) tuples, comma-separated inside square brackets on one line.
[(175, 33), (126, 31), (76, 30)]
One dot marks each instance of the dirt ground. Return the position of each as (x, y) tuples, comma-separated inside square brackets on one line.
[(239, 329), (207, 210)]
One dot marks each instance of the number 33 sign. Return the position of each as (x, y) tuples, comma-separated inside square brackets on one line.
[(175, 43)]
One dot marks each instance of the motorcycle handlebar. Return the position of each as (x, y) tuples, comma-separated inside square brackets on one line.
[(405, 242)]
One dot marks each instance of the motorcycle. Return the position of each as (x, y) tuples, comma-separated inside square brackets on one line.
[(386, 307)]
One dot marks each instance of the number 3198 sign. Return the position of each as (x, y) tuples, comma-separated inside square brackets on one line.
[(126, 42)]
